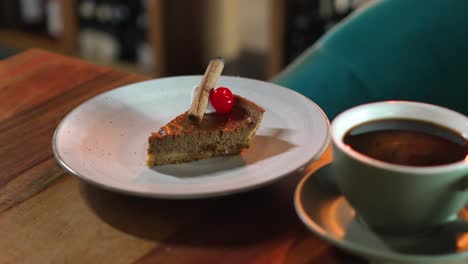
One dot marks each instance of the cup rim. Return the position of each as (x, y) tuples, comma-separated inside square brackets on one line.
[(424, 170)]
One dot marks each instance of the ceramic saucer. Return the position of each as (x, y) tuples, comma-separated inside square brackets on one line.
[(326, 212)]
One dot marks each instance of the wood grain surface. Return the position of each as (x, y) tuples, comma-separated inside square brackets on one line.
[(48, 216)]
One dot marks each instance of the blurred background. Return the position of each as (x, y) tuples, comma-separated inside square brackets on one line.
[(172, 37)]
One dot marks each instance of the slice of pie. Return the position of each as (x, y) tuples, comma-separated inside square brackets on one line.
[(182, 140)]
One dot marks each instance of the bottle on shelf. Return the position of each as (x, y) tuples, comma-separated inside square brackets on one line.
[(33, 15), (96, 38), (10, 12), (87, 33), (54, 21), (304, 24), (144, 50), (108, 30), (307, 21)]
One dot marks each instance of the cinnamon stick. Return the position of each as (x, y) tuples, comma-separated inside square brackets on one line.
[(208, 82)]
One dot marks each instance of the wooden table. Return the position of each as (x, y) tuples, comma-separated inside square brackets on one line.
[(47, 215)]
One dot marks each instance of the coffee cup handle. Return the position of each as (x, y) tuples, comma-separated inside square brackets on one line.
[(460, 225), (455, 227)]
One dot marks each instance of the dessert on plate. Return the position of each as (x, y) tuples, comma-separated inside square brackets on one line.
[(195, 135)]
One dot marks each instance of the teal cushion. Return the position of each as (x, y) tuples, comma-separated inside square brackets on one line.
[(391, 50)]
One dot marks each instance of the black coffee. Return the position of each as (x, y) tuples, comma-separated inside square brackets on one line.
[(407, 142)]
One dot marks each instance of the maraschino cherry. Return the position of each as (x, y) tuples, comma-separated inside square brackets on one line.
[(222, 99)]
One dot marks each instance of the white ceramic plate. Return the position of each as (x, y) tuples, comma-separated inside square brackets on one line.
[(104, 140)]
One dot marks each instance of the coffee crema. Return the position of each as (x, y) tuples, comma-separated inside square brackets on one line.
[(407, 142)]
